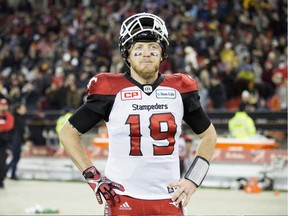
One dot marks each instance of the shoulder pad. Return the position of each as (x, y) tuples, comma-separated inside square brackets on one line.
[(182, 82), (105, 84)]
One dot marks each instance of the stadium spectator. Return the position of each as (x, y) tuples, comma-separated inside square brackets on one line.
[(18, 138), (241, 125), (6, 126), (36, 129), (217, 93)]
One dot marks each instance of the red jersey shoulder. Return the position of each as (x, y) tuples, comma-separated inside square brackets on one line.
[(107, 84), (182, 82)]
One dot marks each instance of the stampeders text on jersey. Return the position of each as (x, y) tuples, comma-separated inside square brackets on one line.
[(149, 107)]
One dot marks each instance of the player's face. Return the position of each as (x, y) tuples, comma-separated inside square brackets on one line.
[(145, 59), (3, 108)]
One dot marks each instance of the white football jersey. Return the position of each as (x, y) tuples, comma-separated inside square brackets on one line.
[(144, 125)]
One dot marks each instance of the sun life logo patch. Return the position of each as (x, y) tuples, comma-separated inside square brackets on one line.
[(166, 94)]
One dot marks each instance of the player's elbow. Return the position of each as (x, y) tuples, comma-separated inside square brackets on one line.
[(66, 133), (210, 133)]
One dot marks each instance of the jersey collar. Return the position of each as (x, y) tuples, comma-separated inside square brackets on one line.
[(146, 88)]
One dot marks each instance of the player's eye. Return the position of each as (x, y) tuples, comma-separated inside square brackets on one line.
[(138, 48), (154, 47)]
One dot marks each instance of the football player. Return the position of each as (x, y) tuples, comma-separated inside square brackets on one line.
[(143, 111)]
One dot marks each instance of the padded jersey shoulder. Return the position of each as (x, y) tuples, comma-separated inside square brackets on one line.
[(107, 84), (182, 82)]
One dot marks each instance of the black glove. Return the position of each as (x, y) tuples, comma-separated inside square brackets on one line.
[(102, 185)]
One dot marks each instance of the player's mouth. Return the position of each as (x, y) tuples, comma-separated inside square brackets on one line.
[(146, 62)]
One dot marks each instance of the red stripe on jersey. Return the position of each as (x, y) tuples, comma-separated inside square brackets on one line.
[(107, 84), (182, 82)]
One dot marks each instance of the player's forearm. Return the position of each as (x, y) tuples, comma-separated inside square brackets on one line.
[(207, 143), (200, 165), (71, 141)]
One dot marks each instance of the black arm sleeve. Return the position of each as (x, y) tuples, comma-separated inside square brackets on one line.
[(197, 120), (83, 119)]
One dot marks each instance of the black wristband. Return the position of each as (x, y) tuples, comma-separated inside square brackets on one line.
[(197, 171)]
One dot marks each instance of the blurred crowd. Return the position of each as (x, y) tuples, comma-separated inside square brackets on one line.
[(235, 49)]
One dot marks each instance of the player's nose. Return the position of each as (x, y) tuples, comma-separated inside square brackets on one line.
[(146, 51)]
